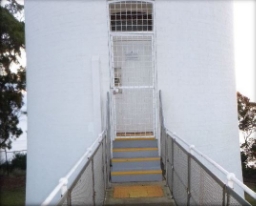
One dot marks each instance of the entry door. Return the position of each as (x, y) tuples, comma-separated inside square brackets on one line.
[(133, 85)]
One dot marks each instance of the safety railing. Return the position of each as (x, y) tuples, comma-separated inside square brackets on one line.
[(190, 181), (88, 188)]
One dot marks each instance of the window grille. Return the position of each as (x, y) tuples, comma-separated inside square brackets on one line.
[(131, 16)]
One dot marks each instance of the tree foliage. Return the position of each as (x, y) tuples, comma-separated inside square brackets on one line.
[(19, 161), (14, 7), (12, 84), (247, 124)]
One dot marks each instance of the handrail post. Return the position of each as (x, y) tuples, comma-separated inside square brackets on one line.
[(230, 185), (230, 180), (64, 187)]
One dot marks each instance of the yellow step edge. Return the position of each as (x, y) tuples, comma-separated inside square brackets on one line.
[(134, 149), (134, 138), (135, 159), (137, 172)]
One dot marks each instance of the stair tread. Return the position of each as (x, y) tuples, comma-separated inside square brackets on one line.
[(136, 172), (148, 138)]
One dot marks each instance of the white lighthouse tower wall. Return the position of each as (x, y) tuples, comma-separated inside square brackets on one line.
[(195, 67), (65, 40), (67, 49)]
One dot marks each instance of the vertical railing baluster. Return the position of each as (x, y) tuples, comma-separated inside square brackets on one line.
[(190, 153), (189, 176), (93, 182), (172, 165), (69, 198), (103, 160), (228, 199), (166, 157), (106, 163), (224, 196)]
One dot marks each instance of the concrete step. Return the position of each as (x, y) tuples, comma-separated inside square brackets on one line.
[(150, 163), (136, 175), (135, 152), (137, 142), (137, 194)]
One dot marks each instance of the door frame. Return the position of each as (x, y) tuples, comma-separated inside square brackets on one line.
[(111, 80)]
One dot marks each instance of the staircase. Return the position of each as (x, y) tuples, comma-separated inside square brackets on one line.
[(135, 159)]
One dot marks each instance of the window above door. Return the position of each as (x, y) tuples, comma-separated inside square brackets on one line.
[(131, 16)]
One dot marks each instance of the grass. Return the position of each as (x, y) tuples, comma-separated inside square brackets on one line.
[(11, 197), (12, 188), (249, 198)]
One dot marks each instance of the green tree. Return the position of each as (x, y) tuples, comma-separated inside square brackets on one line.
[(247, 124), (12, 84), (19, 161)]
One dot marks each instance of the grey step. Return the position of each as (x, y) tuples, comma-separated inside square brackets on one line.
[(119, 164), (135, 152), (136, 178), (135, 143)]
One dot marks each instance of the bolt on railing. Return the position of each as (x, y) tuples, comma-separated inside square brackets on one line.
[(190, 181), (90, 184)]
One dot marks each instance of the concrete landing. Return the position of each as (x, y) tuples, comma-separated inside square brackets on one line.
[(139, 193)]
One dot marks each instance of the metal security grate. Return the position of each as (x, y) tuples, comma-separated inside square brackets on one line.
[(134, 112), (133, 82), (132, 61), (131, 16), (133, 73)]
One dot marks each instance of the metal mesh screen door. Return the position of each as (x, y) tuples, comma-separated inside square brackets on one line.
[(133, 85)]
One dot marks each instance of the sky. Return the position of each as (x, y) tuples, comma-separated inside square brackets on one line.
[(244, 52), (244, 47)]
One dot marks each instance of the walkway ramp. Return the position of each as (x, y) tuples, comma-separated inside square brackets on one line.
[(143, 193), (135, 159)]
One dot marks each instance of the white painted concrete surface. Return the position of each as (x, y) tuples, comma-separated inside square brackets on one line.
[(61, 39), (195, 63)]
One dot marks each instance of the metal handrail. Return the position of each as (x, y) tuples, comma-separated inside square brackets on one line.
[(231, 178), (63, 182), (87, 157), (192, 148)]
